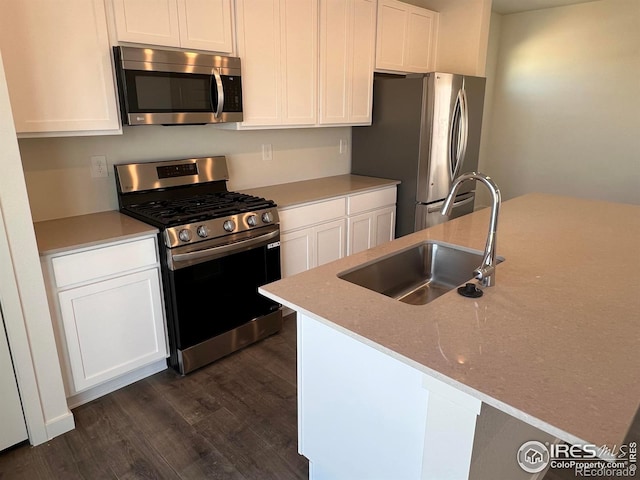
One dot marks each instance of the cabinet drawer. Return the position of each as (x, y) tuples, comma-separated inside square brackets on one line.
[(298, 217), (371, 200), (101, 262)]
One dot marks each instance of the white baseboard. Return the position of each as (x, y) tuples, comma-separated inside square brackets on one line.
[(81, 398), (59, 425)]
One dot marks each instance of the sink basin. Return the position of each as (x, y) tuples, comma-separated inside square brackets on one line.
[(418, 274)]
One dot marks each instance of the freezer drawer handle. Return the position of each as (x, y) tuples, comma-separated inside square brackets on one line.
[(455, 204)]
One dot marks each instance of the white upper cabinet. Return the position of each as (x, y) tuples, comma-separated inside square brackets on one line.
[(57, 60), (278, 45), (306, 62), (197, 24), (347, 41), (406, 37)]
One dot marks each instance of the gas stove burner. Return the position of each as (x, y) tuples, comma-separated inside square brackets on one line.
[(200, 208)]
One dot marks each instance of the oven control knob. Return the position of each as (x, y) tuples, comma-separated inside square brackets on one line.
[(252, 220), (184, 235), (267, 217), (203, 231), (229, 225)]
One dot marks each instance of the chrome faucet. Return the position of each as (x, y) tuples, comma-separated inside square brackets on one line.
[(486, 271)]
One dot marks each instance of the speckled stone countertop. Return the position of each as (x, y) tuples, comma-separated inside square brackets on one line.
[(307, 191), (555, 343), (70, 233)]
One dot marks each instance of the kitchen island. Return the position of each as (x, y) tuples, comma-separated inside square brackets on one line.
[(555, 343)]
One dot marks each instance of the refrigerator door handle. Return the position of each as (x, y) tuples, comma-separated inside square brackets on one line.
[(458, 136), (459, 203)]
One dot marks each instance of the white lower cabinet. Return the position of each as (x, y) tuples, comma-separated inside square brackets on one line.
[(367, 230), (365, 414), (312, 246), (312, 235), (112, 327), (109, 313), (321, 232), (372, 219), (296, 251)]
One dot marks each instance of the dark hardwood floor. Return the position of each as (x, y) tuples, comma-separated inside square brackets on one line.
[(233, 419)]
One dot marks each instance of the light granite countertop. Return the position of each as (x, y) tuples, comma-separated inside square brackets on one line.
[(292, 194), (59, 235), (70, 233), (555, 343)]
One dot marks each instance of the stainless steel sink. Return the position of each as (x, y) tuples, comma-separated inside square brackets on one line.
[(419, 274)]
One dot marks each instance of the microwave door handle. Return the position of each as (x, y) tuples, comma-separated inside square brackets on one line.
[(220, 93)]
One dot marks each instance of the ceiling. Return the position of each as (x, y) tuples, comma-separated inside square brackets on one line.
[(515, 6)]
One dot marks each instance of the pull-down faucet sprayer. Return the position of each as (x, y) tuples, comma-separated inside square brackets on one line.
[(486, 271)]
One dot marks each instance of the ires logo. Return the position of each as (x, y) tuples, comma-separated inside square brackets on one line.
[(561, 451)]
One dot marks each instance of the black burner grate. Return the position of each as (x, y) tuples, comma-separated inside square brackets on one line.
[(199, 208)]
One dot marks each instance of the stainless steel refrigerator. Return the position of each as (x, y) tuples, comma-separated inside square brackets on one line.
[(425, 133)]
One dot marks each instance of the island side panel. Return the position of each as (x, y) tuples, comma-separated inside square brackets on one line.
[(364, 414)]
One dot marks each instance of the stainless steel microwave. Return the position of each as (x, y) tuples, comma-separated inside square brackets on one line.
[(171, 87)]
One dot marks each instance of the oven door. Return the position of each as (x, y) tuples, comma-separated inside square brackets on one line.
[(214, 288)]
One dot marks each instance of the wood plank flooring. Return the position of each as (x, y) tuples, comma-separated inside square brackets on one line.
[(234, 419)]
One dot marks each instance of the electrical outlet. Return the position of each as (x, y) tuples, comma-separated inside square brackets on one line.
[(99, 166), (343, 146), (267, 152)]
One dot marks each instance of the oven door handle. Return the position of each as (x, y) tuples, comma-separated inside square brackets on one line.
[(213, 252)]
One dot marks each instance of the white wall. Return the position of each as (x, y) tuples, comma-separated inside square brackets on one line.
[(483, 197), (57, 170), (566, 105)]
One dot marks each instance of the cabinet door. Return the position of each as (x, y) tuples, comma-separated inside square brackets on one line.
[(113, 327), (57, 60), (277, 41), (362, 61), (296, 251), (334, 61), (258, 30), (360, 233), (420, 27), (384, 225), (299, 61), (347, 42), (330, 240), (405, 37), (206, 25), (390, 41), (147, 21)]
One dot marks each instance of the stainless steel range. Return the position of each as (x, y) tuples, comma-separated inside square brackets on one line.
[(216, 248)]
